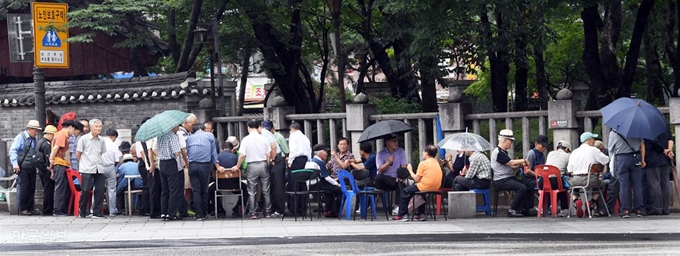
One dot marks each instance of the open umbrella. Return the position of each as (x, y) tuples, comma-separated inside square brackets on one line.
[(160, 124), (383, 129), (465, 141), (634, 118)]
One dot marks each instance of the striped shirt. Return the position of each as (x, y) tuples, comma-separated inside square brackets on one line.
[(168, 145), (480, 167), (201, 147)]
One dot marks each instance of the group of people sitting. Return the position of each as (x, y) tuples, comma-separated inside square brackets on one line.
[(640, 167)]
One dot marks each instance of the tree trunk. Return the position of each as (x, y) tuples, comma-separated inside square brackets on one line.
[(500, 65), (541, 78), (428, 84), (633, 53), (673, 53), (244, 80), (591, 57), (183, 64), (521, 77), (175, 47)]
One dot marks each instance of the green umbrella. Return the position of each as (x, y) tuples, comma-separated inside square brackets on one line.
[(160, 124)]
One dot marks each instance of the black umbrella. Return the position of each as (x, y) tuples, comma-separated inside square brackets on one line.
[(383, 129)]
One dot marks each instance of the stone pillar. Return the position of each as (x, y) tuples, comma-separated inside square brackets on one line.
[(452, 114), (562, 118), (205, 112), (357, 119), (277, 112)]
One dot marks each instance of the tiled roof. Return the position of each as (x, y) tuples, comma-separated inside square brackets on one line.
[(110, 90)]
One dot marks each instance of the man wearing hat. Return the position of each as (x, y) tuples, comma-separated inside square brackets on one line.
[(44, 149), (334, 192), (21, 154), (60, 160), (127, 168), (560, 158), (579, 169), (504, 174)]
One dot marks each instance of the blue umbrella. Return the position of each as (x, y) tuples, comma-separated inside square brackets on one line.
[(634, 118), (160, 124)]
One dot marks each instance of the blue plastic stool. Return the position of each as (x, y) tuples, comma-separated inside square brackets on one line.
[(486, 207)]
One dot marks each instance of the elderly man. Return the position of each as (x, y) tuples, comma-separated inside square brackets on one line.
[(579, 168), (90, 149), (46, 178), (111, 159), (185, 130), (127, 168), (428, 177), (477, 176), (659, 159), (504, 176), (171, 166), (630, 158), (277, 167), (256, 150), (560, 158), (21, 154), (202, 154), (60, 159), (388, 160), (327, 183), (228, 179), (300, 153)]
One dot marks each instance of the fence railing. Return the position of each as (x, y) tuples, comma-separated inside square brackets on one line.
[(487, 124)]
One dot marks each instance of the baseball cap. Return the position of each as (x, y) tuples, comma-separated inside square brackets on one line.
[(267, 124), (563, 143), (542, 139), (587, 135)]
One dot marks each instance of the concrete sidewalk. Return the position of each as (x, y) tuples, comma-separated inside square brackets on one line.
[(37, 229)]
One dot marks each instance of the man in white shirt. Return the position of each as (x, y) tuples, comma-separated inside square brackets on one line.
[(300, 152), (111, 159), (255, 150), (560, 158), (89, 153), (580, 161), (185, 130)]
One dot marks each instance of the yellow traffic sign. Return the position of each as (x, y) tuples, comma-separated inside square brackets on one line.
[(50, 34)]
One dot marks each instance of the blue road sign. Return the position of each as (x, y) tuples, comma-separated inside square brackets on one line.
[(51, 39)]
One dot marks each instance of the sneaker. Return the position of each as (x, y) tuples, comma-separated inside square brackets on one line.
[(275, 215), (191, 213), (579, 208), (164, 217), (640, 214), (395, 211), (399, 218), (198, 218), (59, 214), (368, 209), (97, 216), (421, 217), (253, 216), (267, 216), (84, 216), (330, 215), (514, 213), (625, 214)]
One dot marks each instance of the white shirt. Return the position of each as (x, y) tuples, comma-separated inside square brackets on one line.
[(139, 149), (182, 138), (255, 147), (559, 159), (112, 155), (299, 145), (91, 150), (583, 156)]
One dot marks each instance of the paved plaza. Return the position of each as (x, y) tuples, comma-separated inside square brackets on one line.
[(37, 229)]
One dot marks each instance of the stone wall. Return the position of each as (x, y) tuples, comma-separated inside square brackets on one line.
[(115, 115)]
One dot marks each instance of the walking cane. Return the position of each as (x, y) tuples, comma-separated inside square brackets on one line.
[(674, 175)]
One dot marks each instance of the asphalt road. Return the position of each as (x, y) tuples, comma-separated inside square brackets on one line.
[(530, 244)]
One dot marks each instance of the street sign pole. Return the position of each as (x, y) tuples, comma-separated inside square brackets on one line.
[(39, 87)]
